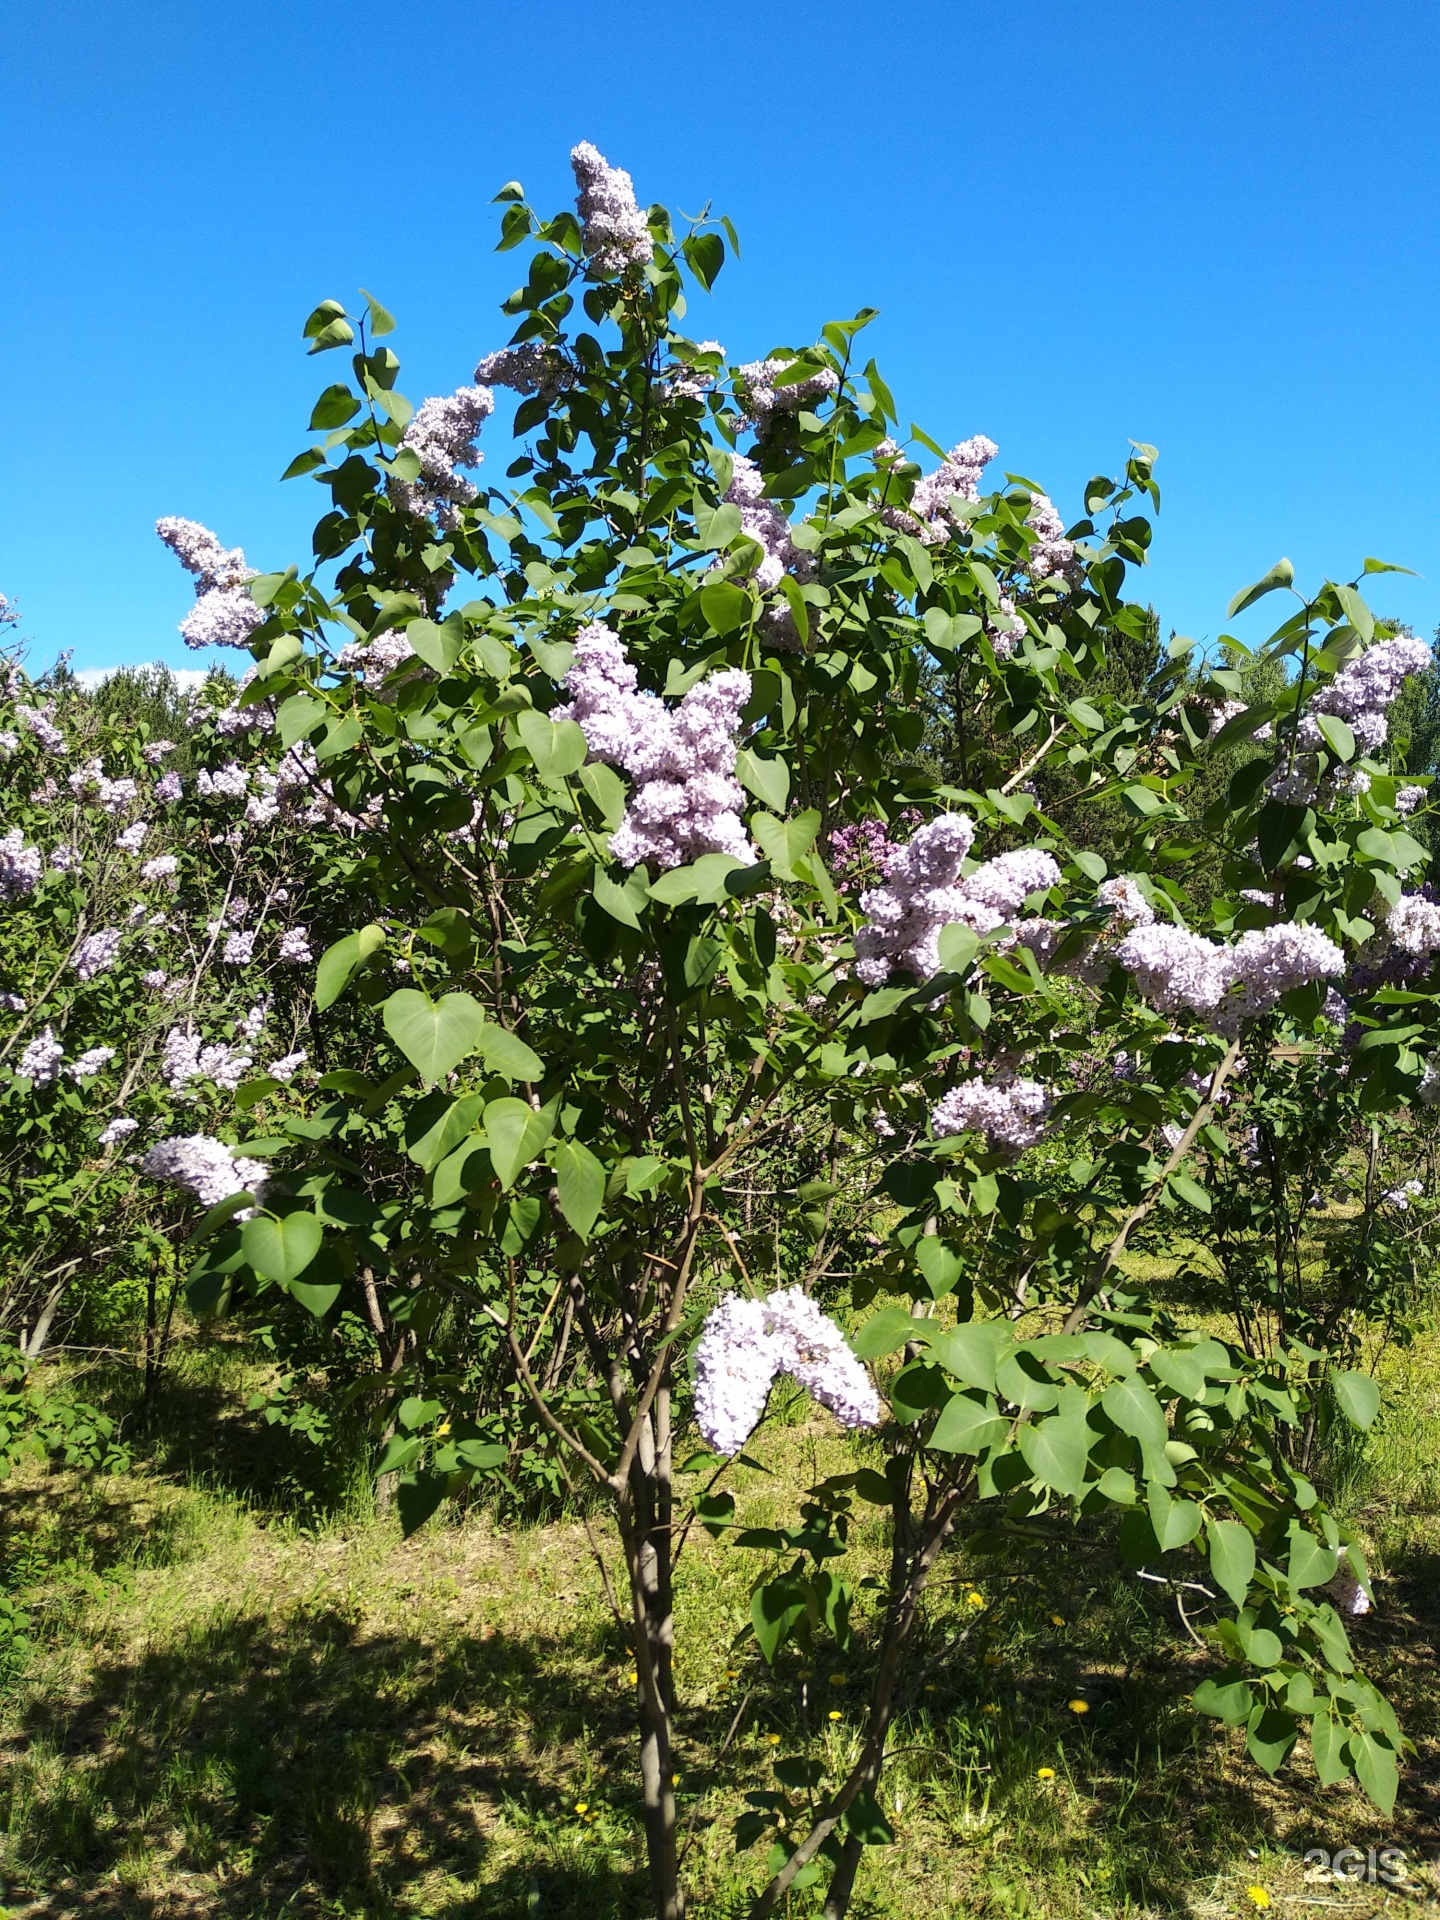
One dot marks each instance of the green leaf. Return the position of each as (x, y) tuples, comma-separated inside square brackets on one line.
[(339, 333), (767, 779), (281, 1249), (886, 1331), (1356, 611), (1057, 1449), (1135, 1410), (1357, 1397), (339, 964), (706, 255), (1282, 574), (968, 1423), (1190, 1191), (1269, 1736), (299, 716), (1228, 1697), (506, 1054), (437, 644), (783, 842), (581, 1180), (435, 1127), (958, 947), (327, 312), (557, 747), (1328, 1736), (381, 320), (725, 606), (621, 903), (435, 1036), (940, 1265), (417, 1495), (516, 1133), (1311, 1563), (1338, 737), (335, 406), (774, 1610), (1232, 1557), (864, 1820), (972, 1352)]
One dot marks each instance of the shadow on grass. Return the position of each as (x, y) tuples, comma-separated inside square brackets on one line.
[(304, 1768)]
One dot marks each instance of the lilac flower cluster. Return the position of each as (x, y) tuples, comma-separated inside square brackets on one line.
[(1012, 1112), (186, 1057), (930, 514), (90, 1063), (924, 891), (169, 787), (763, 401), (166, 867), (442, 437), (224, 615), (1361, 693), (40, 1062), (689, 380), (377, 659), (206, 1167), (1413, 924), (614, 232), (96, 953), (685, 801), (1407, 799), (155, 751), (746, 1343), (1177, 970), (529, 368), (118, 1129), (1128, 905), (1005, 629), (37, 720), (294, 948), (239, 949), (133, 838), (1051, 554), (764, 523), (20, 866), (287, 1066)]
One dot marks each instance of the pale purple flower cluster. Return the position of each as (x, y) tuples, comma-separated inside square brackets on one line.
[(169, 787), (924, 891), (206, 1167), (685, 800), (294, 947), (12, 1002), (186, 1057), (117, 1130), (200, 553), (239, 949), (96, 952), (1407, 799), (930, 514), (1051, 553), (90, 1062), (20, 866), (745, 1343), (287, 1066), (1361, 693), (9, 741), (687, 381), (224, 617), (442, 437), (154, 979), (615, 234), (1128, 905), (1413, 924), (133, 838), (230, 782), (37, 720), (377, 658), (155, 751), (66, 859), (762, 400), (40, 1062), (1005, 629), (529, 368), (164, 868), (1400, 1197), (763, 522), (1177, 970), (1010, 1111)]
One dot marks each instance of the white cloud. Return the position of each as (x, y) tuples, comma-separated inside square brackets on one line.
[(186, 677)]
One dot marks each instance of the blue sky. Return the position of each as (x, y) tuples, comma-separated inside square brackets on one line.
[(1206, 225)]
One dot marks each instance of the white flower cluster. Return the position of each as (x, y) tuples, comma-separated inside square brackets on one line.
[(442, 437), (40, 1062), (133, 838), (1400, 1197), (687, 381), (762, 400), (924, 891), (206, 1167), (531, 367), (685, 800), (239, 949), (745, 1343), (20, 866), (294, 948), (1361, 693), (96, 953), (1011, 1111), (1128, 905), (117, 1130), (166, 867), (1005, 629), (155, 751), (376, 659), (230, 782), (1177, 970), (764, 523), (1407, 799), (287, 1066), (614, 232), (1051, 554)]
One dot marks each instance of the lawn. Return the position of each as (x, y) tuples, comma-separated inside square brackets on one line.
[(239, 1705)]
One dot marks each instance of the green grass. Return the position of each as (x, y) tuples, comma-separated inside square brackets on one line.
[(232, 1713)]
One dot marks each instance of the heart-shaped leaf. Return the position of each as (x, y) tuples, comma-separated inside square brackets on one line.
[(515, 1133), (1358, 1398), (767, 779), (437, 644), (339, 964), (506, 1054), (581, 1180), (434, 1035), (556, 746), (281, 1249)]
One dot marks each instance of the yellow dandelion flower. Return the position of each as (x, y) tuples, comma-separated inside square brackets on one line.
[(581, 1806), (990, 1707), (974, 1599), (1258, 1897), (634, 1679), (929, 1686), (1078, 1706), (1045, 1773), (992, 1659), (1057, 1620), (443, 1428), (732, 1673), (772, 1739), (837, 1679), (834, 1714)]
